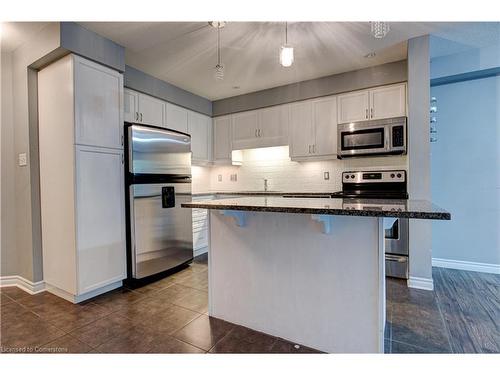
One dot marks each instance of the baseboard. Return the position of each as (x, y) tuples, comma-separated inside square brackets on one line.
[(200, 251), (466, 266), (420, 283), (22, 283), (82, 297)]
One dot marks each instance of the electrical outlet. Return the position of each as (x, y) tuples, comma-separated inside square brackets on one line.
[(219, 178), (326, 175), (22, 159), (233, 177)]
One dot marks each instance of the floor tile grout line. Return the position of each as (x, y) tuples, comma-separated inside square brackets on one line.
[(413, 345), (445, 323)]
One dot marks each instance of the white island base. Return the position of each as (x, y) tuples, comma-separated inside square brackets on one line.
[(281, 274)]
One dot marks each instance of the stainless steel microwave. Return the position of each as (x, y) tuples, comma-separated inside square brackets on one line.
[(370, 138)]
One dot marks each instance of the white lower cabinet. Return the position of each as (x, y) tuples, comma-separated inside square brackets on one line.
[(200, 227), (81, 189), (100, 218)]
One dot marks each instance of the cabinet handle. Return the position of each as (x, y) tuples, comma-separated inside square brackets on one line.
[(256, 133), (260, 132), (366, 113), (122, 158), (371, 113), (309, 148), (122, 139), (137, 116), (314, 149), (141, 116)]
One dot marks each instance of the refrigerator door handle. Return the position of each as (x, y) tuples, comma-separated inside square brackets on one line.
[(167, 197)]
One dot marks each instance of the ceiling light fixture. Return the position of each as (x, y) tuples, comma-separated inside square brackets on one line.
[(219, 68), (286, 51), (380, 29)]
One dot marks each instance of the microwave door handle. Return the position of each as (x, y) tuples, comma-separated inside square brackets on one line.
[(386, 140)]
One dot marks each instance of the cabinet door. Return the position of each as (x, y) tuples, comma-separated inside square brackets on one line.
[(353, 107), (222, 139), (245, 130), (325, 126), (98, 105), (199, 126), (177, 118), (388, 101), (301, 130), (100, 214), (151, 110), (130, 106), (273, 126)]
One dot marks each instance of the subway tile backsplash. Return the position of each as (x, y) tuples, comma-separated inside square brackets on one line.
[(282, 174)]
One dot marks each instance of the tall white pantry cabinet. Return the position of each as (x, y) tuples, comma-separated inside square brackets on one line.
[(80, 105)]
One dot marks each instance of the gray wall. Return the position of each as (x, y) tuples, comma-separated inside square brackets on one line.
[(147, 84), (419, 153), (20, 225), (8, 256), (330, 85), (465, 167)]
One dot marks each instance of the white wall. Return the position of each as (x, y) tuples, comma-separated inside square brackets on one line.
[(419, 159), (466, 171), (283, 174)]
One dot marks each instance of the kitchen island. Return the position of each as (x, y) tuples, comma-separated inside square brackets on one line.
[(309, 270)]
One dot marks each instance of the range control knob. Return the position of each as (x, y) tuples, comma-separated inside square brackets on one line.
[(352, 176), (347, 177), (392, 175), (399, 175)]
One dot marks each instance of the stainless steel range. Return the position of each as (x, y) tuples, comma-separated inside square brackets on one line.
[(386, 190)]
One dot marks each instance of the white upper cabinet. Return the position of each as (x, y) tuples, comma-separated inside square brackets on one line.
[(313, 129), (130, 106), (245, 130), (98, 104), (177, 118), (325, 126), (273, 126), (265, 127), (151, 110), (377, 103), (301, 130), (353, 107), (222, 140), (200, 128), (143, 109), (388, 101)]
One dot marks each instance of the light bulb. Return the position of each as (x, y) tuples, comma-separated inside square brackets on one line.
[(286, 55), (380, 29), (219, 71)]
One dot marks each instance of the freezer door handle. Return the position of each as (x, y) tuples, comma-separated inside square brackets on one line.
[(167, 197)]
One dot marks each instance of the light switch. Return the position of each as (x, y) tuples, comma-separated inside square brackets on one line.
[(22, 159), (219, 178), (326, 175)]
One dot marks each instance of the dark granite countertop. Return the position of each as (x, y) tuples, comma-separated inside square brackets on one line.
[(258, 193), (412, 209)]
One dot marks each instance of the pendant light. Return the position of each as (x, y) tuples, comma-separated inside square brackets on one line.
[(219, 68), (380, 29), (286, 51)]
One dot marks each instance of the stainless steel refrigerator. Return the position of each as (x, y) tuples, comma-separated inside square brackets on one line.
[(158, 181)]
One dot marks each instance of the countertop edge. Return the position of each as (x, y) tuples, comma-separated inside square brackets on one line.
[(321, 211)]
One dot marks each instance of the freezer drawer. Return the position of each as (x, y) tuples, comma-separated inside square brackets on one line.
[(161, 231), (396, 266)]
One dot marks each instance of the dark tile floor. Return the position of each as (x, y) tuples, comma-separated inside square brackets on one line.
[(170, 316)]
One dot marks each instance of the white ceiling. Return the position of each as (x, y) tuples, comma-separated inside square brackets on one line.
[(184, 53), (13, 34)]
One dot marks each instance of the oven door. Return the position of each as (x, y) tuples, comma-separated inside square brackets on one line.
[(362, 141)]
